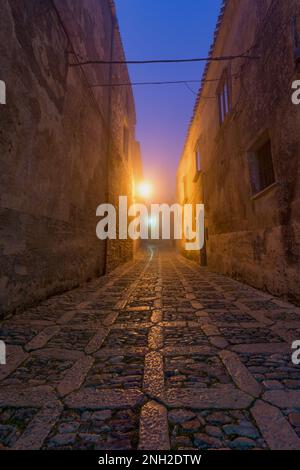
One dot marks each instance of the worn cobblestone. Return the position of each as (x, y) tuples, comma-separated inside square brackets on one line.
[(158, 354)]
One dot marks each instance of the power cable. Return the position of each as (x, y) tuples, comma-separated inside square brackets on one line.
[(164, 61), (171, 82), (163, 82), (190, 88)]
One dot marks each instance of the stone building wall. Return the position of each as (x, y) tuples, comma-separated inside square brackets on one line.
[(125, 164), (60, 142), (254, 237)]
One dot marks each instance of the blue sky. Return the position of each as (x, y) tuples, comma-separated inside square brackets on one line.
[(154, 29)]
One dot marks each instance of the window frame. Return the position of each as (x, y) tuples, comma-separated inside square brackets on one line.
[(197, 161), (255, 167), (224, 94)]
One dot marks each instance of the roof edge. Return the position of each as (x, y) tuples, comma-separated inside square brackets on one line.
[(205, 72)]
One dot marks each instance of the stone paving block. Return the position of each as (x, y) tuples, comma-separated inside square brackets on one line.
[(97, 341), (42, 338), (39, 428), (221, 398), (261, 348), (202, 314), (15, 356), (155, 339), (283, 398), (67, 317), (103, 399), (196, 305), (75, 377), (110, 318), (154, 431), (154, 374), (274, 427), (240, 374), (210, 330), (218, 342), (156, 316)]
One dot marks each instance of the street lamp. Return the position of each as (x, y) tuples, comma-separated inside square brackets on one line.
[(145, 190)]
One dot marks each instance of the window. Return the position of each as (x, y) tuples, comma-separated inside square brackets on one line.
[(261, 165), (197, 156), (125, 142), (198, 159), (224, 95)]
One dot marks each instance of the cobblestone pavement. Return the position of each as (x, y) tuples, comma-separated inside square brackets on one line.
[(160, 354)]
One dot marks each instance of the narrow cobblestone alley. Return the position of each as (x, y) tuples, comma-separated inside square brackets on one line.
[(160, 354)]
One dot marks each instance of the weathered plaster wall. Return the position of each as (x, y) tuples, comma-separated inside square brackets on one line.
[(254, 239), (56, 144)]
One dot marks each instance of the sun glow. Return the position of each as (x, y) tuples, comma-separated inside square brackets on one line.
[(145, 190)]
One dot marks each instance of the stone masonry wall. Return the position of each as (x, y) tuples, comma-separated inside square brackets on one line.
[(57, 144), (254, 239)]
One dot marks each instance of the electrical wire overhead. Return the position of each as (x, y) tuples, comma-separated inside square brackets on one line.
[(163, 61), (161, 82), (167, 82)]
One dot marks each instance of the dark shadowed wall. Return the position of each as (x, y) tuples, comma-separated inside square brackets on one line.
[(61, 145)]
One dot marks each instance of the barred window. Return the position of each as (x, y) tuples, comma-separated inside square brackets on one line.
[(261, 166), (198, 163), (198, 158), (224, 95)]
